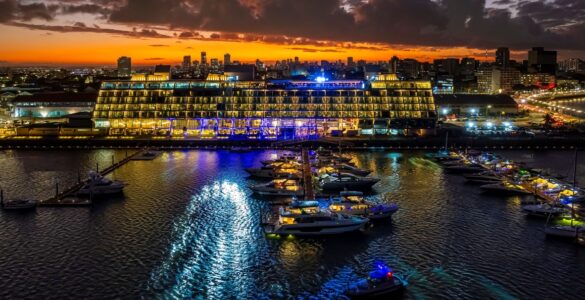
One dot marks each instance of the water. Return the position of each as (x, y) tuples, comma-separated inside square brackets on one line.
[(188, 227)]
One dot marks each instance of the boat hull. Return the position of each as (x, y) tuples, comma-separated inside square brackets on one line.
[(319, 229)]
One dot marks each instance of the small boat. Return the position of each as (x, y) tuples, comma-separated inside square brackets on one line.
[(285, 187), (19, 204), (346, 181), (282, 159), (504, 188), (314, 224), (543, 210), (353, 203), (98, 185), (149, 154), (380, 284)]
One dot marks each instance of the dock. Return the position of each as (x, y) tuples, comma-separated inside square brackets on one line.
[(307, 175), (68, 198)]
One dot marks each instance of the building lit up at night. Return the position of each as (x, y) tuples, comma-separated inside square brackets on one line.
[(222, 108)]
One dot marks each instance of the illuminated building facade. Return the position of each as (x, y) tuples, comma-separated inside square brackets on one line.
[(281, 109)]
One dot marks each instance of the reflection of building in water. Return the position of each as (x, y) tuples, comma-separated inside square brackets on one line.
[(222, 108)]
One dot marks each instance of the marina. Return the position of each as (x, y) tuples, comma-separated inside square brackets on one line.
[(173, 204)]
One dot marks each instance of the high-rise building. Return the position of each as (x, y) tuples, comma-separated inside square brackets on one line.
[(203, 58), (542, 61), (297, 61), (572, 65), (410, 68), (124, 66), (186, 63), (227, 59), (503, 57), (214, 64), (394, 62), (447, 66), (350, 62)]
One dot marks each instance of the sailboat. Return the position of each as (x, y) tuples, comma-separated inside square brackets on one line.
[(567, 231)]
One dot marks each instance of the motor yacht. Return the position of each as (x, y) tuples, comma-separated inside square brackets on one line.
[(19, 204), (341, 181), (353, 203), (98, 185), (543, 210), (380, 284), (282, 159), (272, 173), (505, 188), (483, 178), (344, 168), (314, 224), (285, 187)]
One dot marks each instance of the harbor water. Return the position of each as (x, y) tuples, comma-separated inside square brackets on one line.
[(187, 226)]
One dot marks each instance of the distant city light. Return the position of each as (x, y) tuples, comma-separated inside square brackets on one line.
[(473, 110), (320, 79), (470, 124), (489, 124)]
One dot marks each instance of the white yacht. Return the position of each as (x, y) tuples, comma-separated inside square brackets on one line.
[(564, 231), (345, 168), (341, 181), (353, 203), (285, 187), (314, 224), (543, 210), (98, 185)]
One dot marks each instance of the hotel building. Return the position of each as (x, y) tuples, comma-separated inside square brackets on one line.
[(222, 108)]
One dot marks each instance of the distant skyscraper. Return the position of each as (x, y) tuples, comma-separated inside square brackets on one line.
[(124, 66), (204, 58), (186, 63), (542, 61), (297, 60), (227, 59), (394, 62), (350, 62), (503, 57)]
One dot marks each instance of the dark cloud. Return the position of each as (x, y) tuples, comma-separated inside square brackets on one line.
[(432, 23), (135, 33), (315, 50)]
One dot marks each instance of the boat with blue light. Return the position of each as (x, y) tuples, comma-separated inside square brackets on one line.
[(380, 284)]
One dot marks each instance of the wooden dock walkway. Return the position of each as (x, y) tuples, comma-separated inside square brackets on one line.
[(307, 176), (68, 196)]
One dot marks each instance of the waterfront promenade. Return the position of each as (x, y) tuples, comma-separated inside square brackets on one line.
[(432, 142)]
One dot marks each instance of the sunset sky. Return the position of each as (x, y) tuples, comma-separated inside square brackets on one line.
[(96, 32)]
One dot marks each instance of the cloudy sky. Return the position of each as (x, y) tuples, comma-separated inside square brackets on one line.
[(156, 31)]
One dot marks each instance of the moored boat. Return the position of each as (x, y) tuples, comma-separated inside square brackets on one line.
[(353, 203), (341, 181), (279, 188), (98, 185), (504, 188), (19, 204), (543, 210), (314, 224)]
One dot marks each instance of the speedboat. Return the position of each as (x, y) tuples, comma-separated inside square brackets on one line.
[(353, 203), (18, 204), (285, 187), (564, 231), (314, 224), (98, 185), (345, 168), (504, 188), (341, 181), (381, 284), (543, 210)]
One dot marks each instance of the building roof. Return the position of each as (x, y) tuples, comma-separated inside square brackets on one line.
[(56, 97), (162, 69), (473, 99)]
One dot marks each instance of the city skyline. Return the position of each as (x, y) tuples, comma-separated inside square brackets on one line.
[(87, 32)]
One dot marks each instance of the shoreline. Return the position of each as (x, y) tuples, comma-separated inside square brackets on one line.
[(395, 143)]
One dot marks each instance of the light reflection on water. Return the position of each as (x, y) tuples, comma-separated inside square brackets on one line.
[(188, 227)]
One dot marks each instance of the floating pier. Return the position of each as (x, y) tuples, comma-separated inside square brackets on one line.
[(307, 175), (68, 198)]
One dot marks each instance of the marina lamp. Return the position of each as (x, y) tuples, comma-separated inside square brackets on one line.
[(470, 124)]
